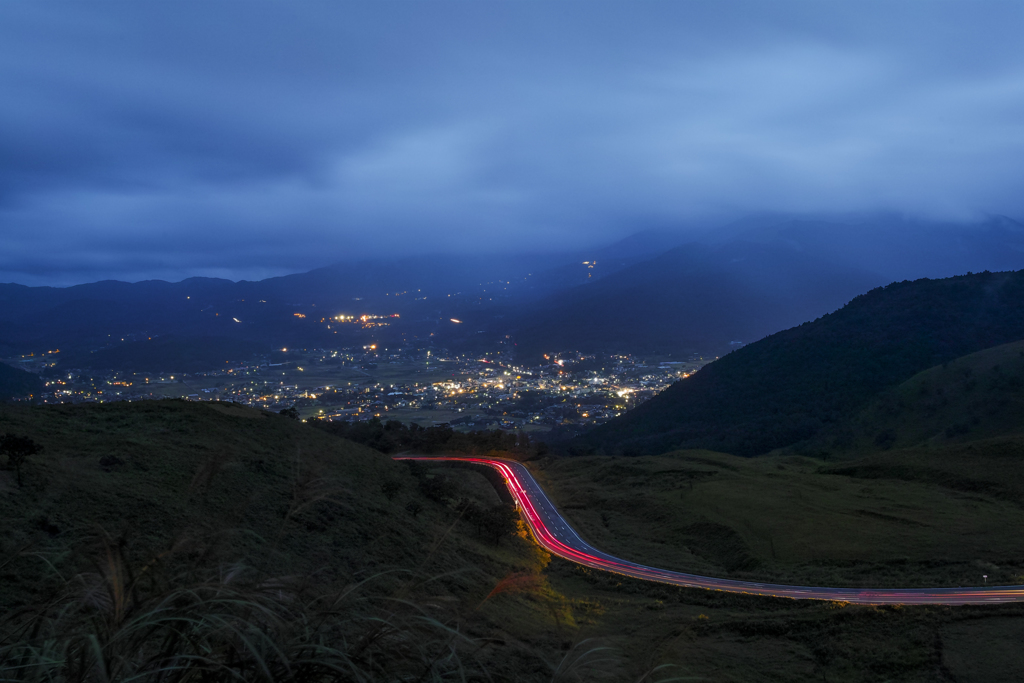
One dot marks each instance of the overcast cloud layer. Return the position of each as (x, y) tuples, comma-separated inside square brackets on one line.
[(248, 139)]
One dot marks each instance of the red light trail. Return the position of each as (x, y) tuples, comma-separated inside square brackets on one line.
[(556, 536)]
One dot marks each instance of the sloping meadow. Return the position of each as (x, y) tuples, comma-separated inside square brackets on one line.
[(163, 539)]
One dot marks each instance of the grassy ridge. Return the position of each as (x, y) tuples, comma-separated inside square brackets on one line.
[(788, 519), (799, 520), (958, 426), (978, 396), (196, 489), (993, 468), (167, 468), (790, 386)]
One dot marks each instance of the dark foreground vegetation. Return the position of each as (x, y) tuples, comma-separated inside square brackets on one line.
[(393, 436), (791, 386), (130, 621)]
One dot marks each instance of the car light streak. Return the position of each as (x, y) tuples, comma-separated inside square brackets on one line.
[(559, 538)]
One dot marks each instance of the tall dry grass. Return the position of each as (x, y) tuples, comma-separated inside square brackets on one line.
[(169, 620), (125, 622)]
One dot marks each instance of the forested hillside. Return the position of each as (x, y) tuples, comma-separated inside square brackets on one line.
[(788, 386)]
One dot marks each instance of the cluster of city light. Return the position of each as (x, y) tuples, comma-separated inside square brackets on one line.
[(489, 385), (366, 317)]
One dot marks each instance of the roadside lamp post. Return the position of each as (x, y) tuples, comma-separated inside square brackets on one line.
[(985, 576)]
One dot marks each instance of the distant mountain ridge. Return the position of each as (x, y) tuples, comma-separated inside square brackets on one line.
[(788, 386), (424, 290), (755, 278), (695, 297), (652, 292)]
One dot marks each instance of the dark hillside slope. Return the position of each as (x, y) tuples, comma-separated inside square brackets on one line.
[(692, 298), (173, 528), (18, 383), (170, 468), (171, 353), (755, 278), (976, 397), (786, 387)]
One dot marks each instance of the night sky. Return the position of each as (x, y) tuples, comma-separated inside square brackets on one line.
[(242, 140)]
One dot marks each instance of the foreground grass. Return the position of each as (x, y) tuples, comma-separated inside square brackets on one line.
[(787, 519), (182, 541), (124, 624), (722, 637)]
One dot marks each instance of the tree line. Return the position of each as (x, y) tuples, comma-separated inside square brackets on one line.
[(393, 436)]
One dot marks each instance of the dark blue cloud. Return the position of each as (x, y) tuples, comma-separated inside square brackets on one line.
[(142, 140)]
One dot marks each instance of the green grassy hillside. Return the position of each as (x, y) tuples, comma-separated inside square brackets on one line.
[(800, 520), (958, 426), (978, 396), (170, 469), (788, 519), (991, 467), (791, 386)]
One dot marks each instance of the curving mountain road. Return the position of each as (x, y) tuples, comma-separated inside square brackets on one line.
[(556, 535)]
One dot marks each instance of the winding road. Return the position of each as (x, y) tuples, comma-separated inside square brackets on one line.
[(554, 533)]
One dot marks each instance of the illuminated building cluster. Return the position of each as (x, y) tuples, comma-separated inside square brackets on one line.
[(362, 383)]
